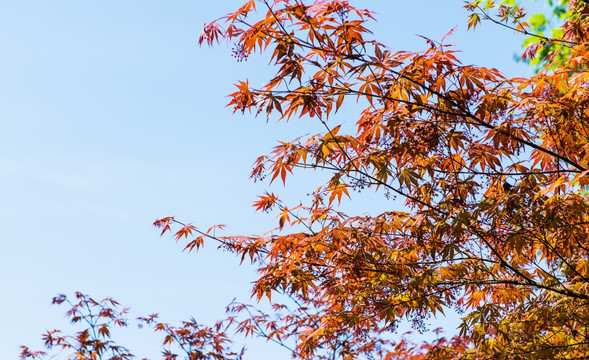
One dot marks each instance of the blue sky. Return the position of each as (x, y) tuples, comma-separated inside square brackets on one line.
[(112, 117)]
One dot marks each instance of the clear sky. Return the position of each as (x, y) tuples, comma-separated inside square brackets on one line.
[(112, 117)]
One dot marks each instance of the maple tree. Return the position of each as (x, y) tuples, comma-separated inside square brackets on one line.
[(492, 171)]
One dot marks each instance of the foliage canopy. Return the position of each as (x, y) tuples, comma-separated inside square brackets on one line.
[(491, 169)]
